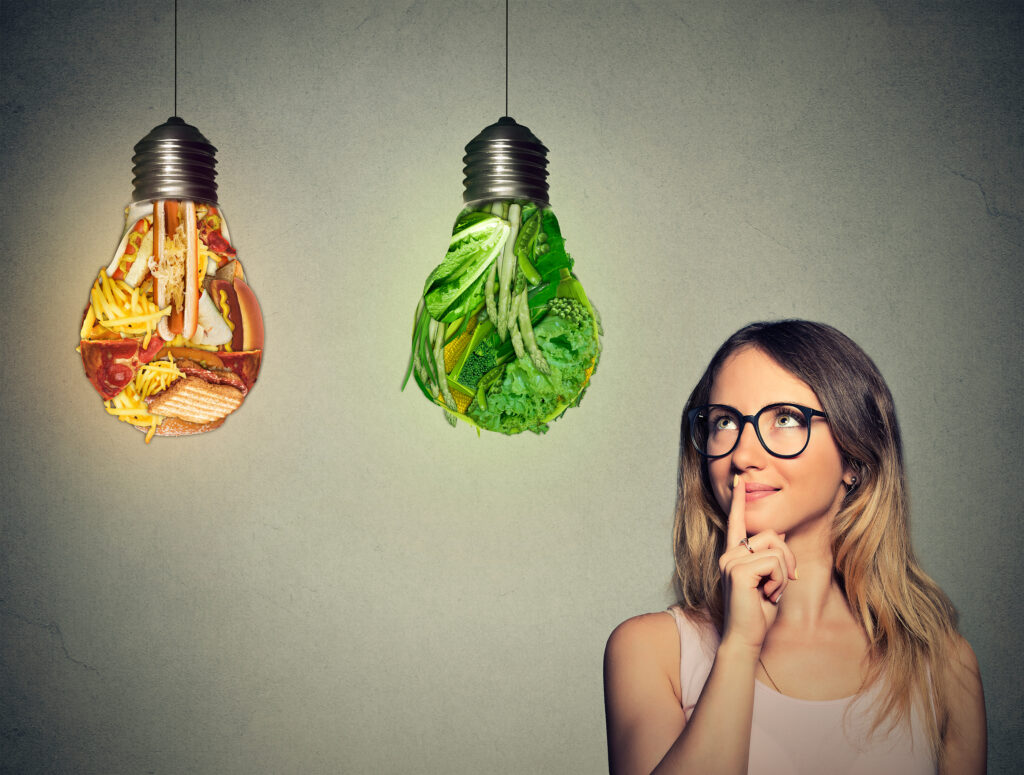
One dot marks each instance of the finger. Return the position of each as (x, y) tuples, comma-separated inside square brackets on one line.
[(774, 583), (773, 589), (736, 529), (777, 581), (769, 539), (764, 570)]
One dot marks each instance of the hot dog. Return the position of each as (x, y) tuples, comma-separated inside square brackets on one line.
[(192, 290), (175, 267), (131, 259), (238, 304)]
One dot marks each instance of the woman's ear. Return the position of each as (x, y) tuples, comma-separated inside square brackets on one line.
[(851, 475)]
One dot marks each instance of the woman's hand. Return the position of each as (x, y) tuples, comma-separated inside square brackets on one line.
[(754, 578)]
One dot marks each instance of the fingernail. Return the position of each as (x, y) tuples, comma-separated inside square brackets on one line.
[(735, 480), (778, 599), (796, 573)]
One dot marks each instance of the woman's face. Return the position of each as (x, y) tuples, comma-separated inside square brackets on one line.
[(788, 494)]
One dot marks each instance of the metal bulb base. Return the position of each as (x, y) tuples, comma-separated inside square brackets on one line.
[(174, 161), (506, 161)]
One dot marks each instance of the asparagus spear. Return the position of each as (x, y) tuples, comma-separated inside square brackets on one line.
[(492, 305), (526, 329), (508, 263)]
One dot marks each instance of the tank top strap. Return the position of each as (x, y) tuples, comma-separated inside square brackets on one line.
[(698, 643)]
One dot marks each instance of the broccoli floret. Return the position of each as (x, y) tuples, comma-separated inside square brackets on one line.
[(570, 309), (480, 361)]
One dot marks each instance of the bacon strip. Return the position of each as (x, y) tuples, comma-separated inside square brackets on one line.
[(193, 369)]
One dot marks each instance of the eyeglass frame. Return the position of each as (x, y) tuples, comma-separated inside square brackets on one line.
[(753, 419)]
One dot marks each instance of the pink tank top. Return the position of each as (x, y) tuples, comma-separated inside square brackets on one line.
[(805, 737)]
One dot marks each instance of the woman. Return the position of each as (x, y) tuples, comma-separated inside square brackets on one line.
[(807, 638)]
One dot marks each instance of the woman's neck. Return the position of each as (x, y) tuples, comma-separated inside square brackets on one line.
[(816, 597)]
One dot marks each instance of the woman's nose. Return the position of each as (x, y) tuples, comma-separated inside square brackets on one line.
[(749, 453)]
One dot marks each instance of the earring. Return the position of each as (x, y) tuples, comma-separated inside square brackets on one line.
[(853, 481)]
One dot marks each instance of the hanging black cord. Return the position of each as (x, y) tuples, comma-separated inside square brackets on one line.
[(175, 57), (506, 57)]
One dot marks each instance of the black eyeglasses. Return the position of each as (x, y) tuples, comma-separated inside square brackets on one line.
[(783, 429)]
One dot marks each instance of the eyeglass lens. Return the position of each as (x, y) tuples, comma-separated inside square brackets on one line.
[(783, 429)]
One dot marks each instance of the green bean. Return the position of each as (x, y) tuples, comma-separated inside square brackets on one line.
[(416, 317), (426, 345), (485, 383), (442, 376), (415, 344)]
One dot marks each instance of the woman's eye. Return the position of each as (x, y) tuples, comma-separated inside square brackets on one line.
[(723, 423), (786, 419)]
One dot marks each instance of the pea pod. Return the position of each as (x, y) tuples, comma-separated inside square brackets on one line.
[(485, 383), (524, 248)]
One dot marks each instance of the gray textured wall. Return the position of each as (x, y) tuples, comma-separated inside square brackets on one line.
[(337, 581)]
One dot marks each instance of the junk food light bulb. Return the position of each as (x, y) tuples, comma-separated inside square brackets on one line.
[(172, 336), (504, 336)]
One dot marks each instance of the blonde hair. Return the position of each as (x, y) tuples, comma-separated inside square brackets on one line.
[(909, 621)]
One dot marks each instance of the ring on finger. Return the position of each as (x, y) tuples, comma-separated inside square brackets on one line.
[(746, 542)]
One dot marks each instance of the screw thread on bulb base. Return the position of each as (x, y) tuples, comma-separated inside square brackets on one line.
[(505, 161), (174, 161)]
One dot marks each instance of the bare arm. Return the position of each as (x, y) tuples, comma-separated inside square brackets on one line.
[(643, 711), (647, 729), (964, 746)]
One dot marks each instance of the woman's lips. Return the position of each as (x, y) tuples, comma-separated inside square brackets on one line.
[(755, 491)]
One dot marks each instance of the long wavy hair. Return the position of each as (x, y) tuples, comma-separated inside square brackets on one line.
[(909, 621)]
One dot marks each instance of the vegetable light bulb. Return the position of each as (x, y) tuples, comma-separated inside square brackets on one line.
[(504, 336), (172, 336)]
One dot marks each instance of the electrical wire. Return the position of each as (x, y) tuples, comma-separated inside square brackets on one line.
[(506, 57), (175, 57)]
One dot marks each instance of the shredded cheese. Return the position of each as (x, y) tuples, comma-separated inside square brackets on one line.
[(118, 307), (129, 405)]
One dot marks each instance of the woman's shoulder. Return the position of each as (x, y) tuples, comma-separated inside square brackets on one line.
[(657, 633), (645, 629), (644, 641), (641, 670), (654, 643)]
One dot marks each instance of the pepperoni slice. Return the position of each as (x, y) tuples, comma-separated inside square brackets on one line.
[(245, 364), (110, 364), (155, 343)]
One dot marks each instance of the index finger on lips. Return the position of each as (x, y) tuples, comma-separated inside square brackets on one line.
[(736, 529)]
